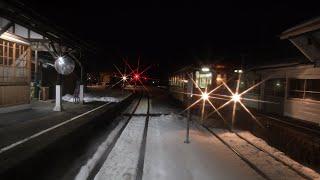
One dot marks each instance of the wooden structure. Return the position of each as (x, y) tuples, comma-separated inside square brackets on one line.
[(26, 40), (15, 66)]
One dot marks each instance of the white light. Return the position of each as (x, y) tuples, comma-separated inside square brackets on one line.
[(238, 71), (205, 69), (236, 97), (124, 78), (205, 96)]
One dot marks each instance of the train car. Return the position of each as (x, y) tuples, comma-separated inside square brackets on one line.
[(206, 77)]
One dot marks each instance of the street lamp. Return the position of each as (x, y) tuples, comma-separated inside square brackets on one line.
[(236, 97), (64, 66)]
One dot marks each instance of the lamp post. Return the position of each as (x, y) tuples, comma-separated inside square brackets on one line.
[(64, 66)]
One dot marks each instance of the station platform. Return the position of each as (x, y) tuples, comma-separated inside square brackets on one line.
[(20, 124), (25, 132)]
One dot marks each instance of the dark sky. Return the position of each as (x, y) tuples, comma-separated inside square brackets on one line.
[(174, 34)]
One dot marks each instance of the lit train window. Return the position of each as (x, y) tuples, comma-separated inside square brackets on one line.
[(203, 80)]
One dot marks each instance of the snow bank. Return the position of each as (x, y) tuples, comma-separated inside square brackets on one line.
[(91, 98), (92, 162), (280, 155), (270, 166)]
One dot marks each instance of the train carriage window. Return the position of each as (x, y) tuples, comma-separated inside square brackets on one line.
[(203, 80), (312, 89), (296, 88), (275, 87), (304, 89)]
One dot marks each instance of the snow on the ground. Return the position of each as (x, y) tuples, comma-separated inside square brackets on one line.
[(91, 98), (263, 145), (273, 168), (122, 161), (205, 157), (92, 162)]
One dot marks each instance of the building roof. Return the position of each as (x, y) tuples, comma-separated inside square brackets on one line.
[(306, 27), (306, 37), (22, 15)]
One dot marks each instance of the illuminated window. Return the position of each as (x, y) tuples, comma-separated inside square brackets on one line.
[(14, 59), (203, 79)]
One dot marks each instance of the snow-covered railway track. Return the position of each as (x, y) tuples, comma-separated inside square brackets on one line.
[(102, 157), (124, 158), (263, 162)]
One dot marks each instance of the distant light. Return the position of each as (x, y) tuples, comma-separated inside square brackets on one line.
[(205, 69), (236, 97), (124, 78), (152, 82), (238, 71), (205, 96), (278, 84), (136, 76), (219, 79)]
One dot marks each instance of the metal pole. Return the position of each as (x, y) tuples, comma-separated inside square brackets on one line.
[(187, 141), (58, 105), (36, 84), (190, 90)]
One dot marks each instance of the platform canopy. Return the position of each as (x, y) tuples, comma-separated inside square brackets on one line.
[(306, 37), (19, 20)]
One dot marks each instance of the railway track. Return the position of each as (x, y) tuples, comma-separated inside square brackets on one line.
[(249, 162), (129, 116)]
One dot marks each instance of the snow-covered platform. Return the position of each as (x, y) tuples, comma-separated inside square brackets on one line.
[(168, 157), (205, 157)]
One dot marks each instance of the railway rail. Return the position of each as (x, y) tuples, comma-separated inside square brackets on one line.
[(250, 163), (129, 116)]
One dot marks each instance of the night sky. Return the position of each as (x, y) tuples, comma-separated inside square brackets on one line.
[(176, 34)]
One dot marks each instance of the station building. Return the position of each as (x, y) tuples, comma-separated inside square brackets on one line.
[(27, 48)]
